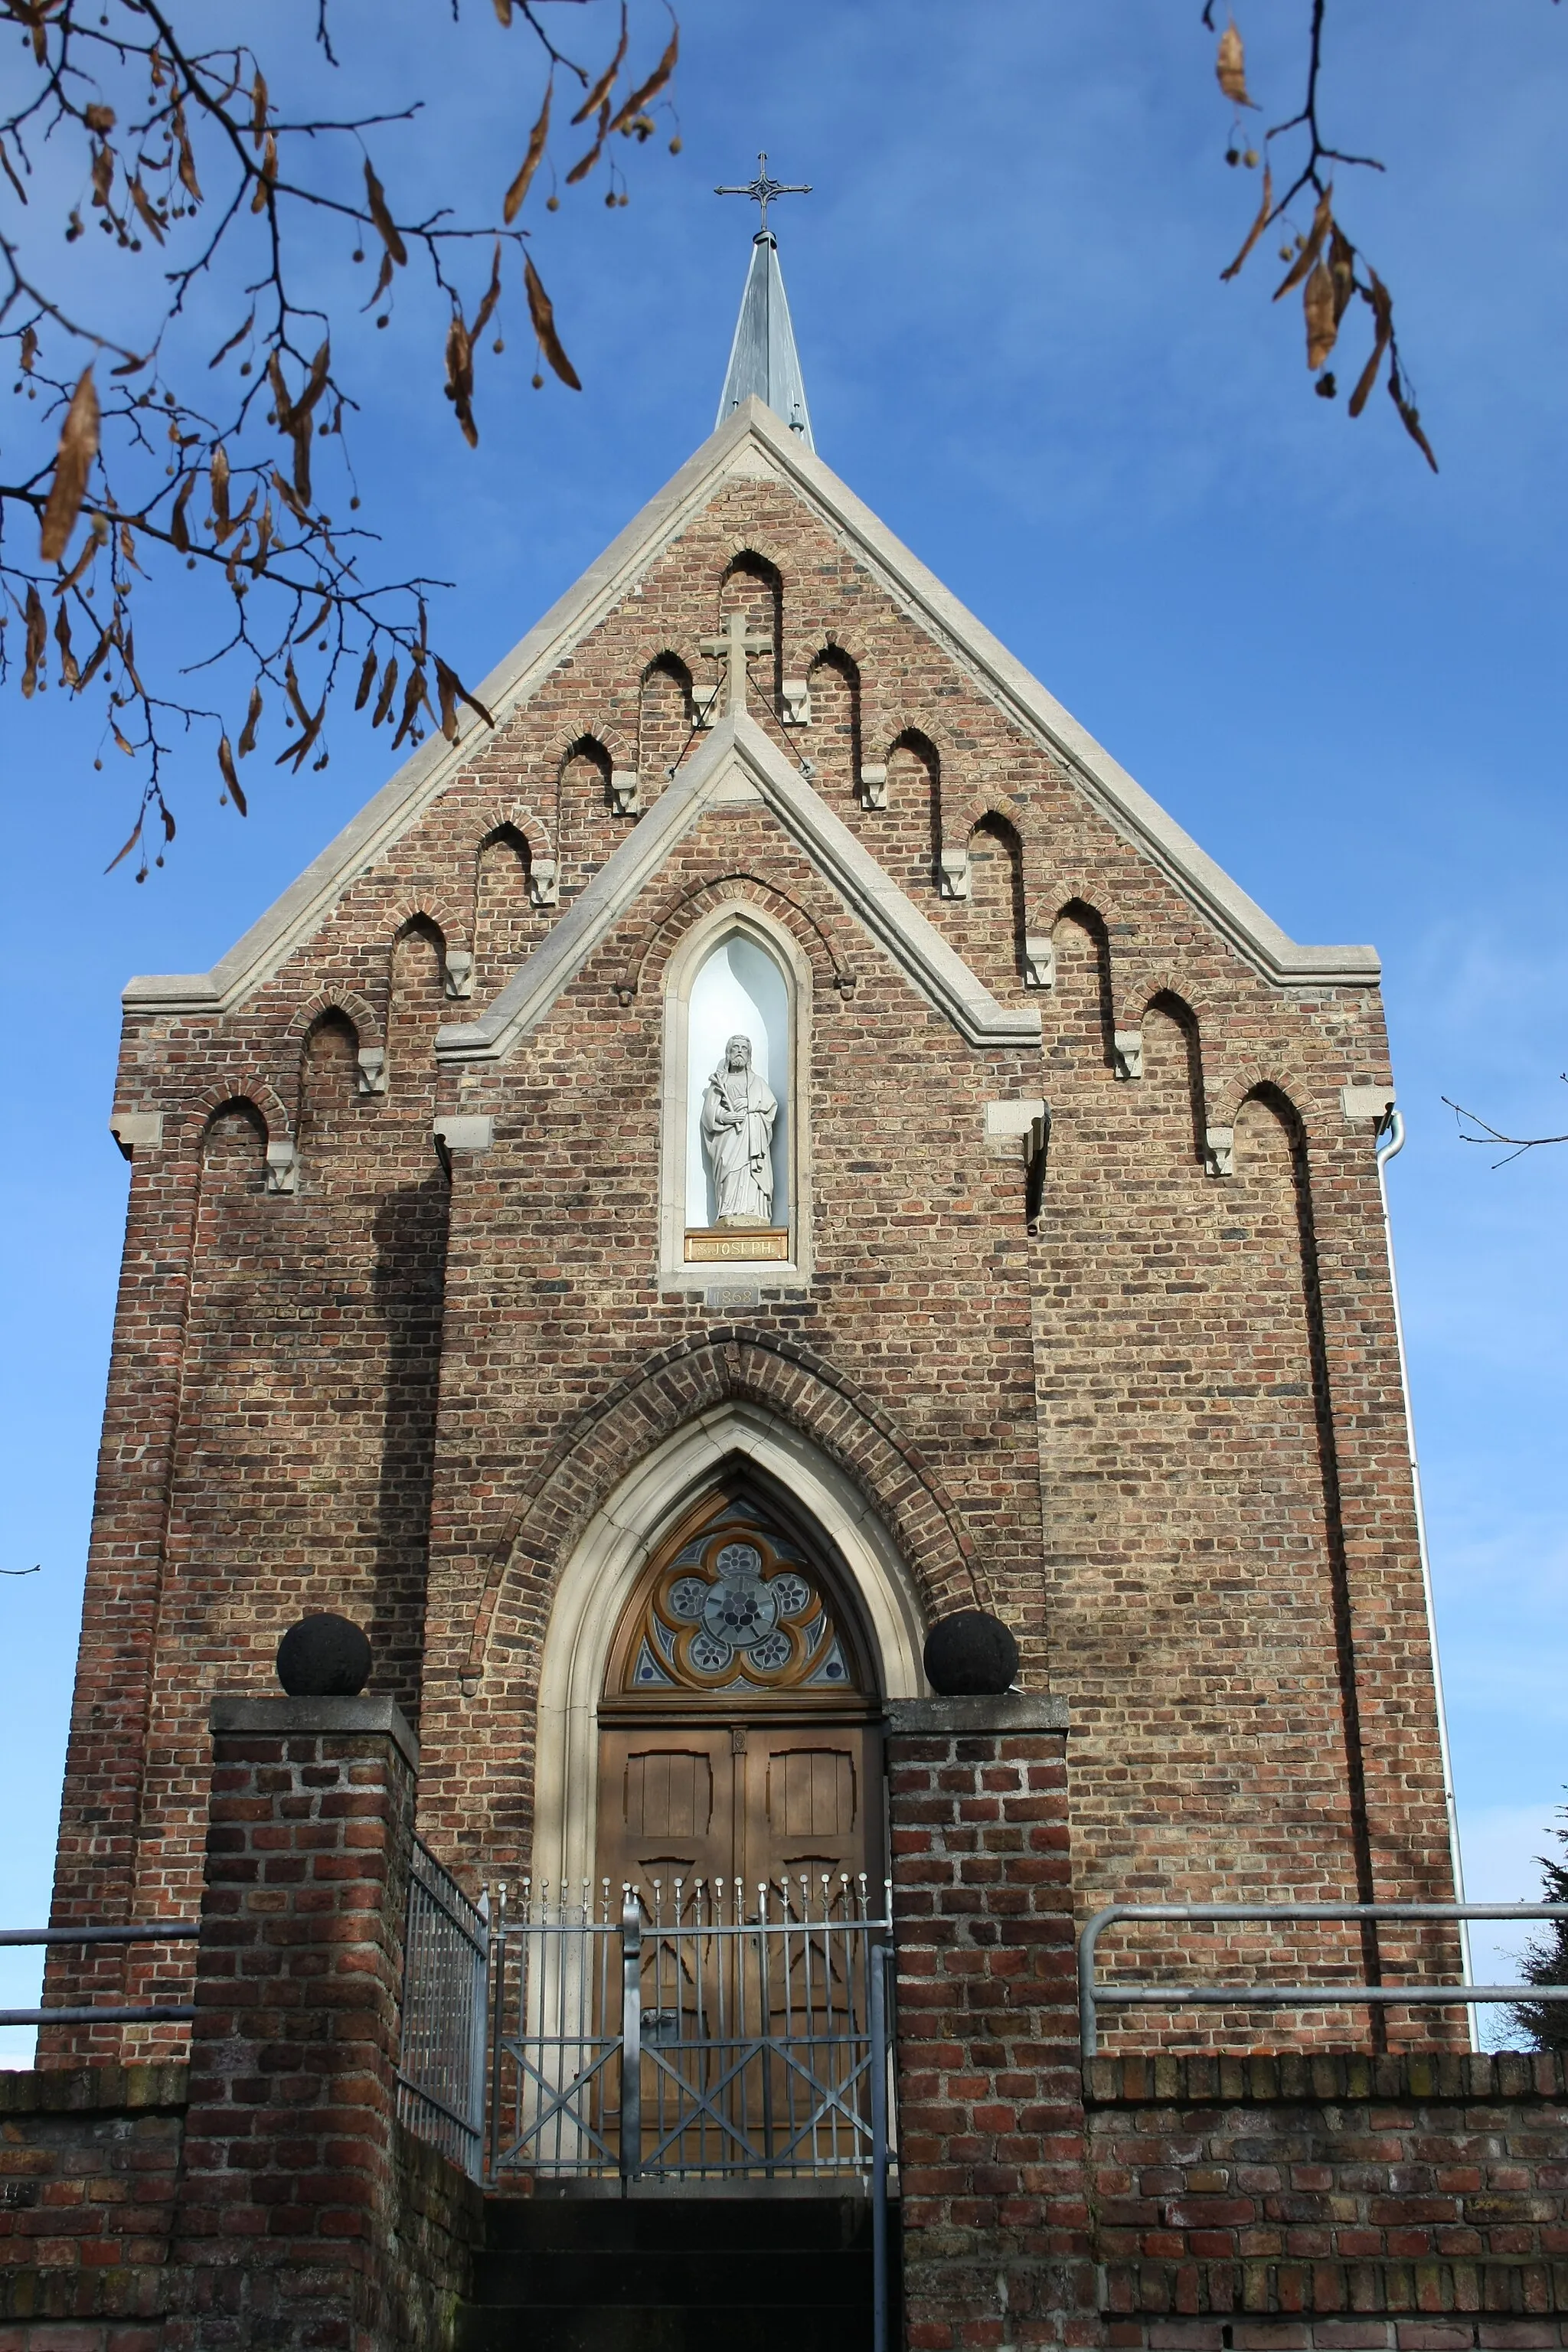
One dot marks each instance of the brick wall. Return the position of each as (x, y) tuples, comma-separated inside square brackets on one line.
[(285, 2216), (440, 2223), (1339, 2201), (990, 2115), (88, 2162)]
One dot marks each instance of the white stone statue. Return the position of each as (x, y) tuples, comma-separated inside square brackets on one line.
[(738, 1113)]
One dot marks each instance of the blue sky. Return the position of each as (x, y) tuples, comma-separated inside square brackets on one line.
[(1343, 675)]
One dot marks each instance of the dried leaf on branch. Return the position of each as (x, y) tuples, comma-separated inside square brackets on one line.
[(542, 313), (1230, 68), (73, 462), (174, 483)]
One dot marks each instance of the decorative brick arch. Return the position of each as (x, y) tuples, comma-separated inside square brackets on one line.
[(1140, 987), (793, 1386), (1276, 1081), (248, 1087), (369, 1028), (603, 734), (674, 917), (516, 817), (969, 812), (425, 905)]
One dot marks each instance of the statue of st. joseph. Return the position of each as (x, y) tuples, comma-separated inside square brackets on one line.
[(738, 1114)]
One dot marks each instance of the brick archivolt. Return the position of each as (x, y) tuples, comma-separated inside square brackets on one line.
[(654, 944), (247, 1088), (517, 816), (366, 1022), (796, 1388)]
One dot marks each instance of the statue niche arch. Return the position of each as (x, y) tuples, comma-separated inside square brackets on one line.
[(737, 1055), (738, 1738)]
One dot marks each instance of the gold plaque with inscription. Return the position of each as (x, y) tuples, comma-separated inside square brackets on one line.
[(749, 1245)]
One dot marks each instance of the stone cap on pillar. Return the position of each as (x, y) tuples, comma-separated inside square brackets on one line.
[(988, 1711), (279, 1717)]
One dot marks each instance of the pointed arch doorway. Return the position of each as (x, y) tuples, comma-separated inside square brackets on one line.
[(740, 1747)]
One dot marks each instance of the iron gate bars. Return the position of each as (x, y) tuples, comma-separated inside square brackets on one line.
[(1094, 1995), (721, 2045), (446, 1978)]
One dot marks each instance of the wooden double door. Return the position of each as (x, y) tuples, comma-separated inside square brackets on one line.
[(763, 1802)]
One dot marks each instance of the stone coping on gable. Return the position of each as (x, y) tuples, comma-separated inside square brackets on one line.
[(282, 1717), (1295, 2077)]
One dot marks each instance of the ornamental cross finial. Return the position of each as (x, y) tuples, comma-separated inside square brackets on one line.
[(762, 191), (731, 648)]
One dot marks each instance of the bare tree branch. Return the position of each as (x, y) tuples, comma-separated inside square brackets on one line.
[(1490, 1134), (184, 149)]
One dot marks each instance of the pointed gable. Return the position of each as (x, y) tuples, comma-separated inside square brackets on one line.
[(755, 446)]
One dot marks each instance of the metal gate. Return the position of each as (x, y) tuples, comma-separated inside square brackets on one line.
[(690, 2039)]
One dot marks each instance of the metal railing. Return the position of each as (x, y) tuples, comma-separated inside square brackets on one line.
[(1094, 1996), (696, 2044), (446, 1982), (142, 2012)]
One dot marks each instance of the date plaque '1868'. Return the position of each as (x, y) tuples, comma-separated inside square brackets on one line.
[(706, 1245)]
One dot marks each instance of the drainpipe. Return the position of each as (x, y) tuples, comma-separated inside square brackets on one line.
[(1392, 1131)]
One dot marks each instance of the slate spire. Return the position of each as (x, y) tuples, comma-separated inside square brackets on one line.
[(763, 358)]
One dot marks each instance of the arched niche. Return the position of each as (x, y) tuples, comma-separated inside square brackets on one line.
[(737, 974), (737, 1442)]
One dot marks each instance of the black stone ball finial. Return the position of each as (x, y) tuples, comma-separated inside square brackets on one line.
[(971, 1654), (323, 1656)]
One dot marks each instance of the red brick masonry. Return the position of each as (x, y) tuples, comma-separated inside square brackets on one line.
[(1330, 2200), (991, 2117)]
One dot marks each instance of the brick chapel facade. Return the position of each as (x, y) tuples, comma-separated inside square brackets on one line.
[(1065, 1293)]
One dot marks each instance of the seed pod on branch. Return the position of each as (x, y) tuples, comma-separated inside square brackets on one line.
[(1318, 304), (542, 311), (1322, 221), (79, 447), (1230, 68), (537, 139), (1258, 225), (36, 640), (602, 88), (1383, 329)]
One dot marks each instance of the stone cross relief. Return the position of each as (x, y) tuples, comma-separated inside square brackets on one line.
[(731, 648)]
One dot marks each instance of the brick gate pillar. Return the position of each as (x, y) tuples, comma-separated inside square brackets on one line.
[(992, 2152), (284, 2213)]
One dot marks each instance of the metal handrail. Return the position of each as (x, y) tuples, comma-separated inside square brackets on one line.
[(1092, 1996), (156, 2012)]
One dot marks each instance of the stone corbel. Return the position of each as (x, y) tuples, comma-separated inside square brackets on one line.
[(625, 796), (873, 784), (136, 1130), (1219, 1144), (1128, 1047), (1366, 1102), (542, 882), (465, 1131), (460, 972), (1039, 960), (1030, 1121), (372, 1069), (952, 873), (282, 1168), (705, 711), (797, 694)]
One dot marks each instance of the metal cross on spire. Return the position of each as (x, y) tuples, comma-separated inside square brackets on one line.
[(762, 191)]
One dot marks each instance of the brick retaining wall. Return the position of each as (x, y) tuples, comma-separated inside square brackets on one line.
[(1335, 2200), (89, 2159)]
